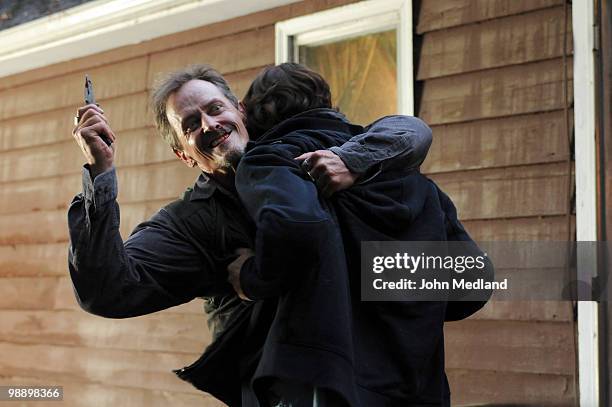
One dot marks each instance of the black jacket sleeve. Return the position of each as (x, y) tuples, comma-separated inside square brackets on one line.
[(155, 269), (293, 227)]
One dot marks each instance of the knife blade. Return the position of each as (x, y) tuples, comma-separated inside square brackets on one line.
[(91, 99)]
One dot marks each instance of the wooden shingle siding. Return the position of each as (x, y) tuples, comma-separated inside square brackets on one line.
[(155, 332), (495, 387), (128, 112), (436, 15), (532, 228), (492, 90), (513, 40), (505, 142), (33, 260), (507, 192), (119, 79), (543, 345), (233, 53), (500, 92), (139, 369), (526, 311)]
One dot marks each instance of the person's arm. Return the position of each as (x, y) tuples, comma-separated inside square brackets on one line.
[(396, 140), (390, 141), (293, 229), (153, 270)]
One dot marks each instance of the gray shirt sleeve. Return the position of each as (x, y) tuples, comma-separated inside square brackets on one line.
[(391, 140), (153, 270)]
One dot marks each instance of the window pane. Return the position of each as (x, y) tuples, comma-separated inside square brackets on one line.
[(362, 74)]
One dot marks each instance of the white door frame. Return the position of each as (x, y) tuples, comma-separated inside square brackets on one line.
[(583, 27)]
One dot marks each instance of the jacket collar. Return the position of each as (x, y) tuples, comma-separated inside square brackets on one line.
[(314, 119), (204, 188)]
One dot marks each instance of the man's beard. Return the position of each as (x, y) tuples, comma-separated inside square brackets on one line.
[(231, 159), (225, 160)]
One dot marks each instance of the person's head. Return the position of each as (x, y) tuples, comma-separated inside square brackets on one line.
[(282, 91), (200, 118)]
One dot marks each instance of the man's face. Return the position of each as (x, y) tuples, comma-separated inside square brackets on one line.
[(211, 129)]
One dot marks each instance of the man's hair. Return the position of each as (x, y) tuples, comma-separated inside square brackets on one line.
[(171, 83), (282, 91)]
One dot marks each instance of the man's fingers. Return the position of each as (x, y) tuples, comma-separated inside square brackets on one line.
[(81, 110), (89, 113), (95, 129), (310, 159), (318, 170), (234, 268), (92, 119), (96, 139), (304, 156), (327, 170)]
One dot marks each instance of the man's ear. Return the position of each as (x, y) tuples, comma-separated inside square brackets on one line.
[(189, 162)]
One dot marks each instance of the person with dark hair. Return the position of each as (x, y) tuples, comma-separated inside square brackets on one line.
[(281, 92), (185, 250), (307, 253)]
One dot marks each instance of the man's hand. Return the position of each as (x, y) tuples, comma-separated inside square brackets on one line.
[(91, 126), (328, 171), (233, 271)]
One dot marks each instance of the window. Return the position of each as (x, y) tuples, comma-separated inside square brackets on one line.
[(364, 51)]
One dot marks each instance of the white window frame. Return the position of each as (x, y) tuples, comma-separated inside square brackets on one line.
[(361, 18)]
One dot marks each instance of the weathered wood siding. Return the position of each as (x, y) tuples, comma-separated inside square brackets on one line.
[(491, 74)]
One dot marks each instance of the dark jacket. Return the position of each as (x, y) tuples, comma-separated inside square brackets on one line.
[(308, 252)]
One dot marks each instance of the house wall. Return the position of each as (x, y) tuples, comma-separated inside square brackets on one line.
[(490, 80)]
